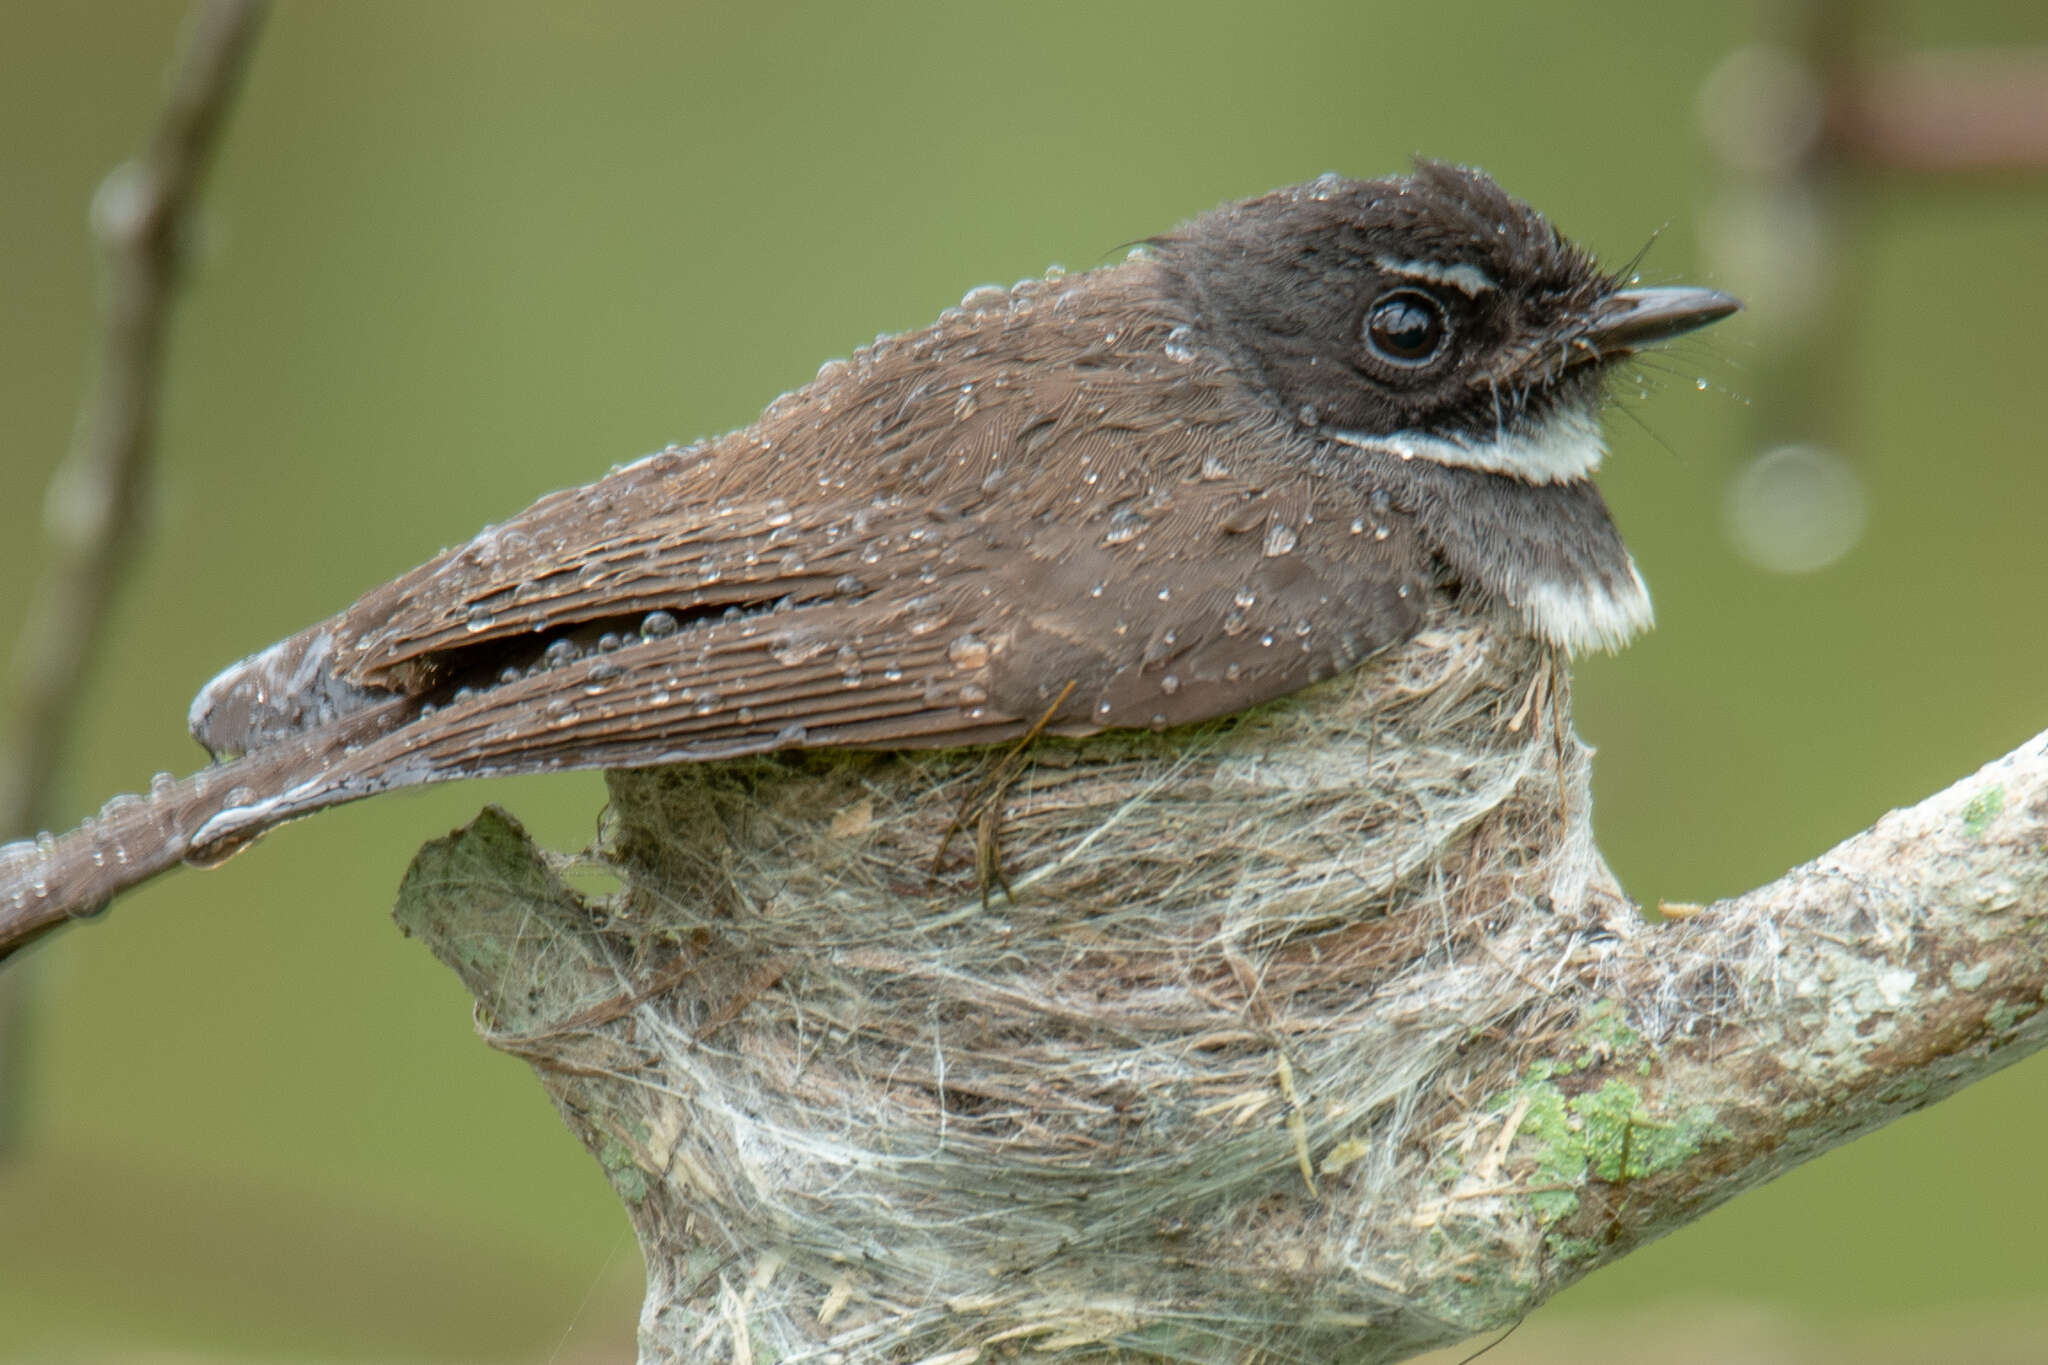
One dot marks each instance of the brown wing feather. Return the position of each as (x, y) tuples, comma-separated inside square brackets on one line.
[(506, 585)]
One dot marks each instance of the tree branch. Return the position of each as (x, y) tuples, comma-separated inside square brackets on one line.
[(1902, 965), (1323, 1035)]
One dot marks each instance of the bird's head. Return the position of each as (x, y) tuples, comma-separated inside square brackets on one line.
[(1429, 316)]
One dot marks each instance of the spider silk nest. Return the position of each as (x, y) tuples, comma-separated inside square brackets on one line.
[(1180, 1097)]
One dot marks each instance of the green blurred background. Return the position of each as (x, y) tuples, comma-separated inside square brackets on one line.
[(458, 254)]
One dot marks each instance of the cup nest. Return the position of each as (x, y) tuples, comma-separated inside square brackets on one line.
[(1206, 1083)]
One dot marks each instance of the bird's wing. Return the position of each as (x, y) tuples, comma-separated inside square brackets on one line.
[(1092, 532), (654, 536)]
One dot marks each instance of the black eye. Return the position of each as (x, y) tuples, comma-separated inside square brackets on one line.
[(1406, 327)]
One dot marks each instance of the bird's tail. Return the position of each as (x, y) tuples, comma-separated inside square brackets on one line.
[(201, 819)]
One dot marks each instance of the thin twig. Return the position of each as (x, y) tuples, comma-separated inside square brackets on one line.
[(1946, 113), (98, 499)]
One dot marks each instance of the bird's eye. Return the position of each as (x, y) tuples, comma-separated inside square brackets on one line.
[(1406, 327)]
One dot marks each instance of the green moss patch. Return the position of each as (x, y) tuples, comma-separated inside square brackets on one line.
[(1606, 1133), (1984, 807)]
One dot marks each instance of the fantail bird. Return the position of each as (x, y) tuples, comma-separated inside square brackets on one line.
[(1147, 495)]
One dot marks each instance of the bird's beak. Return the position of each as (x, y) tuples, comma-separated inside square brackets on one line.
[(1635, 318)]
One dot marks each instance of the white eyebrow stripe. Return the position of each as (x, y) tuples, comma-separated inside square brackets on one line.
[(1463, 276)]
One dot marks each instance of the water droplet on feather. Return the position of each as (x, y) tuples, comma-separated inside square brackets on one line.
[(1124, 525)]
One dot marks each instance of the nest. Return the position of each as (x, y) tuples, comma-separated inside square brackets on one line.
[(1206, 1084)]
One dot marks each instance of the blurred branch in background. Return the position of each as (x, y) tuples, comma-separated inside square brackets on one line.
[(98, 501), (1805, 122), (1979, 112)]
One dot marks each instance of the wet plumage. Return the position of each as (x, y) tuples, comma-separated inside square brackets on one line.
[(1143, 496)]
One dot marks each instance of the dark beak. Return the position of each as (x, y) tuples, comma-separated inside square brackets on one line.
[(1635, 318)]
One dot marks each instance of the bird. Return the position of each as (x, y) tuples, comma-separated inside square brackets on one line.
[(1241, 460)]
